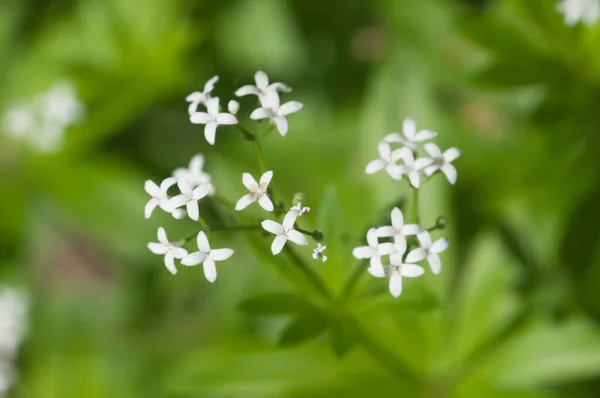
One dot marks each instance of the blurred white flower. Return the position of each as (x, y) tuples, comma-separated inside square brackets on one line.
[(201, 97), (189, 197), (396, 271), (412, 166), (271, 109), (171, 250), (258, 192), (212, 118), (233, 107), (7, 376), (388, 161), (60, 105), (262, 87), (398, 230), (206, 256), (284, 233), (374, 250), (318, 253), (13, 321), (429, 251), (159, 196), (409, 137), (194, 173), (575, 11), (442, 161)]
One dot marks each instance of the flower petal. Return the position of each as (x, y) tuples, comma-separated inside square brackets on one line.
[(212, 106), (168, 183), (261, 79), (451, 154), (247, 90), (221, 254), (282, 125), (385, 232), (297, 237), (397, 218), (233, 107), (184, 186), (202, 242), (210, 84), (170, 263), (386, 248), (411, 229), (266, 178), (178, 201), (429, 170), (210, 131), (290, 219), (363, 252), (411, 270), (152, 189), (210, 270), (434, 263), (372, 237), (440, 245), (192, 210), (200, 118), (249, 182), (400, 244), (374, 166), (193, 259), (272, 227), (279, 87), (409, 128), (395, 286), (424, 135), (178, 252), (394, 138), (290, 107), (244, 202), (450, 173), (265, 202), (260, 113), (150, 206), (226, 119), (157, 248), (422, 162), (278, 244), (424, 239), (378, 272), (162, 236), (416, 255), (415, 179), (384, 150), (432, 150), (201, 191)]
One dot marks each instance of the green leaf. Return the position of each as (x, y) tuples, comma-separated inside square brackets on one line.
[(304, 328), (276, 304), (343, 336)]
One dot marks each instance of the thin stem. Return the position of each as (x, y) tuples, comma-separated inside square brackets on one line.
[(204, 225), (314, 234), (314, 279), (267, 132), (260, 156), (414, 218)]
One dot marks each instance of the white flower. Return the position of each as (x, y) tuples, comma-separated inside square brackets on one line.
[(189, 197), (196, 98), (410, 136), (272, 109), (13, 321), (194, 174), (442, 161), (233, 107), (284, 233), (412, 166), (398, 230), (8, 375), (159, 196), (170, 250), (262, 87), (258, 192), (574, 11), (374, 251), (60, 105), (212, 118), (429, 251), (206, 256), (318, 253), (20, 120), (396, 271), (388, 161), (299, 210)]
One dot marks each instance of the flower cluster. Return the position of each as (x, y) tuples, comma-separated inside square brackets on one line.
[(13, 326), (575, 11), (42, 121)]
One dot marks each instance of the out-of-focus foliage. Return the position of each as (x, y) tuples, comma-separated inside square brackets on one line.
[(515, 311)]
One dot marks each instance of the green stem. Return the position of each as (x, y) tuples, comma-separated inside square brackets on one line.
[(267, 132), (204, 225), (260, 156), (314, 279), (314, 234), (414, 217)]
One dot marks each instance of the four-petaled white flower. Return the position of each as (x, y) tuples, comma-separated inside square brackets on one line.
[(398, 230), (429, 251), (318, 253), (410, 136), (574, 11), (284, 232), (189, 197), (374, 251), (212, 118), (194, 174), (159, 196), (262, 87), (396, 271), (201, 97), (412, 166), (206, 256), (258, 192), (271, 109), (388, 161), (442, 161), (171, 250)]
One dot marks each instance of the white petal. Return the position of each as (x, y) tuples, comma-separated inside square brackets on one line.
[(157, 248), (396, 258), (200, 118), (193, 108), (233, 107), (261, 79), (162, 236), (411, 229), (451, 154), (210, 270), (422, 162), (221, 254), (266, 178), (384, 232), (247, 90), (372, 237), (424, 135), (297, 237), (395, 284), (244, 202), (178, 252), (394, 171), (400, 244), (193, 259), (432, 150), (192, 210), (170, 263), (424, 239), (270, 99), (260, 113), (416, 255), (434, 263), (168, 183), (212, 106), (184, 186), (386, 248), (282, 125), (265, 202), (429, 170), (290, 107), (210, 84), (150, 206), (226, 118), (202, 242), (272, 227), (210, 131), (394, 138), (363, 252), (440, 245), (290, 219), (378, 272), (397, 218), (279, 87), (249, 182), (196, 96), (411, 270), (404, 153), (450, 173), (409, 128), (201, 191), (278, 244), (375, 166), (384, 150), (178, 201), (179, 214), (152, 189), (414, 178)]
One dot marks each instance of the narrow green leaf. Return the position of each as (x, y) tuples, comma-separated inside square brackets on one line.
[(343, 336), (304, 328)]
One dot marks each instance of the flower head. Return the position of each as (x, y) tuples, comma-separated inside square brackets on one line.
[(201, 97), (396, 271), (442, 161), (271, 109), (388, 161), (262, 87), (412, 166), (318, 253), (189, 197), (171, 250), (284, 232), (575, 11), (258, 192), (212, 118), (374, 250), (159, 196), (398, 230), (206, 256), (410, 137), (429, 251)]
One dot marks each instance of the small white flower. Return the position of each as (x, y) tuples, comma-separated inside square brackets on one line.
[(284, 232), (396, 272), (318, 253), (299, 210), (212, 118), (410, 136), (13, 321), (429, 251), (271, 109), (412, 166), (206, 256), (262, 87), (159, 196), (60, 105), (189, 197), (442, 161), (194, 174), (374, 250), (20, 121), (388, 161), (201, 97), (258, 192), (574, 11), (171, 250), (398, 230), (233, 107)]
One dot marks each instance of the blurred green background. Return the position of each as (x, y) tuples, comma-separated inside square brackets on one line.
[(515, 311)]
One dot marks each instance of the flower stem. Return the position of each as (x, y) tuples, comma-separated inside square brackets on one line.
[(316, 234), (259, 155), (414, 218)]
